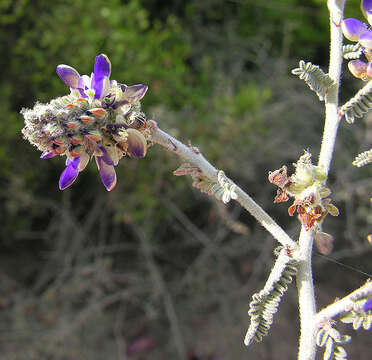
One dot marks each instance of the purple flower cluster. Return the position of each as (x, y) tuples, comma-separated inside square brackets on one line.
[(357, 31), (100, 118)]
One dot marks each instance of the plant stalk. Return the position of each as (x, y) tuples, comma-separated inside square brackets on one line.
[(306, 294)]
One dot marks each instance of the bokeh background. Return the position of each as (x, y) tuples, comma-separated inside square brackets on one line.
[(155, 269)]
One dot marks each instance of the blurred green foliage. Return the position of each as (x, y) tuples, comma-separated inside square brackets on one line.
[(219, 75)]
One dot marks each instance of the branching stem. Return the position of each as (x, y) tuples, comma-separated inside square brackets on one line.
[(306, 295), (343, 304)]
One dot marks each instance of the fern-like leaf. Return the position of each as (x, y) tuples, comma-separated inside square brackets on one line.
[(359, 105), (314, 77), (363, 159), (265, 303), (358, 317), (331, 340), (352, 51)]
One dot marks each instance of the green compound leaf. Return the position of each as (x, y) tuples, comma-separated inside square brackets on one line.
[(332, 340), (359, 105), (314, 77), (328, 349), (321, 337), (265, 303), (363, 159), (352, 51), (357, 317)]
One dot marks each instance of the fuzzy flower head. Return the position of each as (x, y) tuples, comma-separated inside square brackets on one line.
[(100, 118), (307, 187), (357, 31)]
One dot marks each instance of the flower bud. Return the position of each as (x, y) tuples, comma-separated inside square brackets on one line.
[(94, 135), (72, 124), (59, 141), (98, 113), (87, 120), (77, 139), (76, 151)]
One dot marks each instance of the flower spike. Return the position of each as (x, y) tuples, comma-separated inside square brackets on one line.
[(100, 118)]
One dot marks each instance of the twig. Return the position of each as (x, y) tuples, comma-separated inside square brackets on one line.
[(209, 171), (344, 304)]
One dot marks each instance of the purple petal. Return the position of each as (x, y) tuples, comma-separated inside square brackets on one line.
[(135, 92), (353, 28), (366, 7), (366, 39), (68, 176), (102, 71), (47, 155), (68, 75), (137, 145), (105, 156), (367, 305), (107, 173), (74, 162)]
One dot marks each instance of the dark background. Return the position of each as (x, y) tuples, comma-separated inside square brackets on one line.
[(155, 269)]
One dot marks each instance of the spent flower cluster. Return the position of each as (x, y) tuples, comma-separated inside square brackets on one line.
[(100, 117), (307, 187)]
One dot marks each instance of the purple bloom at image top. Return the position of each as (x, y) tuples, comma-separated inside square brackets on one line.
[(100, 118), (355, 30)]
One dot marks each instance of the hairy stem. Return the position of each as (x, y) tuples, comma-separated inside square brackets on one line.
[(193, 156), (306, 298), (306, 294), (343, 304)]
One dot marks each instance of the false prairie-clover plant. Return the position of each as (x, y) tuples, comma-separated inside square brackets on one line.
[(102, 118)]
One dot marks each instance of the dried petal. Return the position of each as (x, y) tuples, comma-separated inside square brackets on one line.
[(332, 210), (281, 196), (324, 242), (134, 93), (279, 177), (292, 209), (84, 160), (358, 68)]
